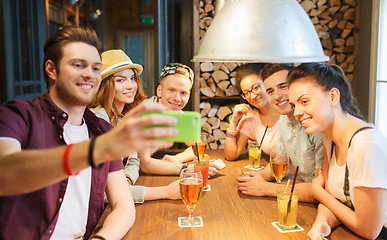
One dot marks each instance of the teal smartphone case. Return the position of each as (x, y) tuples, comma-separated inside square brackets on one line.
[(188, 124)]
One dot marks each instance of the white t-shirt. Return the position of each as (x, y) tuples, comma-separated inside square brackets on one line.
[(367, 164), (74, 210)]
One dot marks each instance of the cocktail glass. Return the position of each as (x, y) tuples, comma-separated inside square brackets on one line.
[(287, 208), (203, 166), (200, 146), (254, 155)]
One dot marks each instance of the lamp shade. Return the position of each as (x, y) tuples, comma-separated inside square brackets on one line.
[(275, 31)]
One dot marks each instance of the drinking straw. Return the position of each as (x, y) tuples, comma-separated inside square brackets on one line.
[(291, 193), (197, 151), (287, 186), (263, 136)]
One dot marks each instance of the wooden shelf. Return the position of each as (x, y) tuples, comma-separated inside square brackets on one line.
[(220, 98)]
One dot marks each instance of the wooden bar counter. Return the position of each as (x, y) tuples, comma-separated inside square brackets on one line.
[(226, 212)]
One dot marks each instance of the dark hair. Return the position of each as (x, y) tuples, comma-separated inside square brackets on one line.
[(272, 68), (53, 48), (247, 70), (328, 76)]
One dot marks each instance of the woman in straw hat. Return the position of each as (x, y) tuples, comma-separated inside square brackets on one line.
[(121, 90)]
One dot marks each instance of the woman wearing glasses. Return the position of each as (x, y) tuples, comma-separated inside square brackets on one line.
[(250, 119)]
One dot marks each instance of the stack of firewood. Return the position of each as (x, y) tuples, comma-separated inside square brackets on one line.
[(215, 121), (218, 79), (334, 21)]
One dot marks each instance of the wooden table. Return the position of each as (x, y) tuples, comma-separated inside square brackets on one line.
[(227, 213)]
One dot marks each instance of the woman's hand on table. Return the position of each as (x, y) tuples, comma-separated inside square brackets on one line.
[(173, 190), (171, 158), (252, 184), (318, 231), (212, 169)]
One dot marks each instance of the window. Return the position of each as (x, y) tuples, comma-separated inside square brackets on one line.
[(24, 34), (379, 88), (138, 45)]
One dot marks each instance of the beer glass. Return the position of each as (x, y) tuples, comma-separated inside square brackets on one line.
[(191, 186), (279, 166)]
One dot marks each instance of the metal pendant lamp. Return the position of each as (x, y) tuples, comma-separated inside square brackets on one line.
[(275, 31)]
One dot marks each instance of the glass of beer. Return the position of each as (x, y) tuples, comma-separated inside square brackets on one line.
[(279, 166), (191, 186), (287, 208), (200, 146), (254, 154)]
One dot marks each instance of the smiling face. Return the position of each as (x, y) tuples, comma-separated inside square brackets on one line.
[(174, 91), (277, 90), (250, 82), (79, 77), (125, 85), (312, 105)]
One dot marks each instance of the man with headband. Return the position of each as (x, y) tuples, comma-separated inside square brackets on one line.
[(175, 86), (173, 91)]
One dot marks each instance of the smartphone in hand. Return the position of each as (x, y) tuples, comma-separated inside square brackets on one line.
[(188, 124)]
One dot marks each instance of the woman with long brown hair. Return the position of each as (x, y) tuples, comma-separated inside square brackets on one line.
[(352, 189)]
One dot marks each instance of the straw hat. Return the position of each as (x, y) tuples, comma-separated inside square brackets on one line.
[(116, 60)]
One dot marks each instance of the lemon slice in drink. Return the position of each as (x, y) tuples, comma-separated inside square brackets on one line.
[(253, 153), (206, 158)]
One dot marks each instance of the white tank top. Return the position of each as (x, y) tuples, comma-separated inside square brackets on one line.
[(336, 179)]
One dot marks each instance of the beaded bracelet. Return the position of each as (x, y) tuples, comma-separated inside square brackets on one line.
[(90, 157), (231, 134)]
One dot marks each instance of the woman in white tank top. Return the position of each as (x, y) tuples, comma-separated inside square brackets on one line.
[(352, 189)]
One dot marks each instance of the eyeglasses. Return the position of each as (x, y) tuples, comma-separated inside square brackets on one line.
[(256, 89)]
